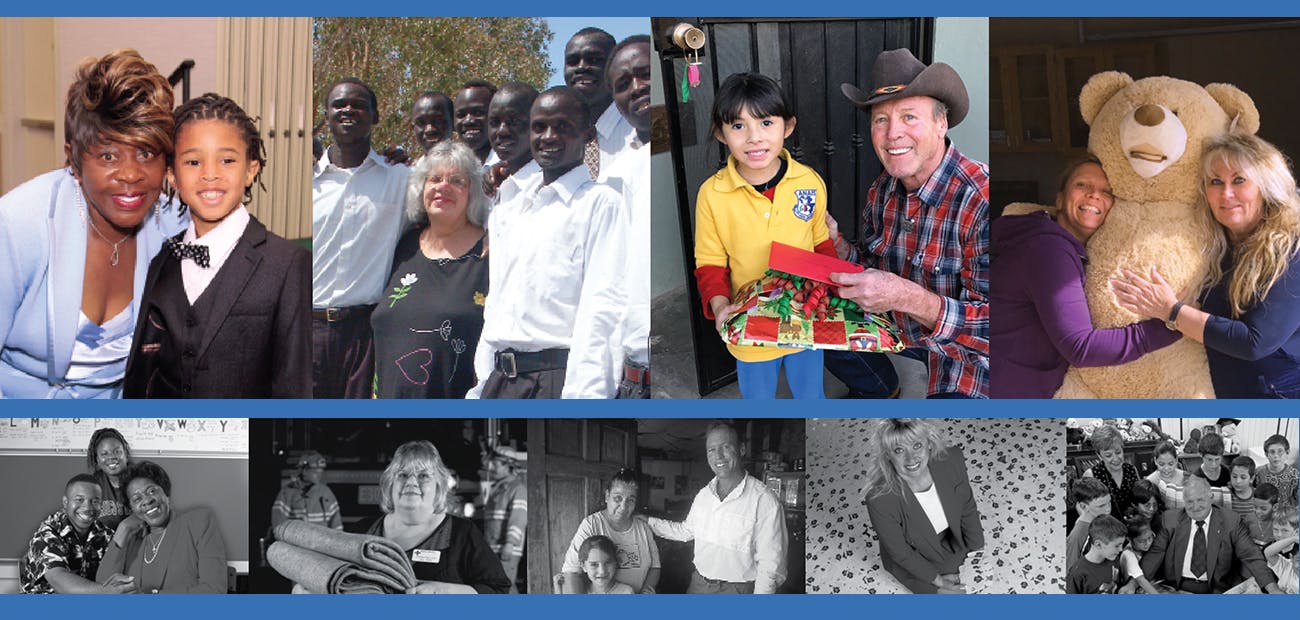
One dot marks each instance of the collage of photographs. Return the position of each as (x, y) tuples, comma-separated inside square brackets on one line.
[(649, 506), (549, 208), (539, 208)]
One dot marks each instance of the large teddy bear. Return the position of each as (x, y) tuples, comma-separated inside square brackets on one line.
[(1148, 135)]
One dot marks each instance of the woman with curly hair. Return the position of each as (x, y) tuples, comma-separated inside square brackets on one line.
[(1111, 469), (75, 242), (1249, 315), (921, 505)]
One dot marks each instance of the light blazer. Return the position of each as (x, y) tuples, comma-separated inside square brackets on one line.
[(195, 562), (256, 338), (909, 548), (1226, 539), (43, 241)]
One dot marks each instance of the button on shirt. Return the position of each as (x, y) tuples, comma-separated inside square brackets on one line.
[(738, 538), (356, 218), (556, 280), (938, 237), (629, 170), (221, 242)]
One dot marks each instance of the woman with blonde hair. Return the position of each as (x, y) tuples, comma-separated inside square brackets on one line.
[(75, 243), (921, 505), (449, 553), (1249, 319)]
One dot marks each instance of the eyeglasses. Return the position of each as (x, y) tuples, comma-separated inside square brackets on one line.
[(457, 180)]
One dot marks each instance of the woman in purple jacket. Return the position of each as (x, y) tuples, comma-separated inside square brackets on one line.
[(1042, 325)]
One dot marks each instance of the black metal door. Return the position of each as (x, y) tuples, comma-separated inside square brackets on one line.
[(810, 58)]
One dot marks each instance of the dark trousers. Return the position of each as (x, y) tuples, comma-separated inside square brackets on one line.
[(703, 585), (538, 384), (872, 375), (342, 358)]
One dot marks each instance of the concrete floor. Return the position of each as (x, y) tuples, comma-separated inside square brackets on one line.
[(672, 356)]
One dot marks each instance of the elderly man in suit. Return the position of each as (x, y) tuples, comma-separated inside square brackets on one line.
[(1203, 549)]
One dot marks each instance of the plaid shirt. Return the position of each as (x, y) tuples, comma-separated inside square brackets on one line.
[(938, 237), (57, 545)]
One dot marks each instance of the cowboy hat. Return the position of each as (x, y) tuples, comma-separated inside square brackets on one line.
[(897, 74)]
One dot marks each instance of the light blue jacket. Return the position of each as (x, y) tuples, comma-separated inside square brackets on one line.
[(43, 240)]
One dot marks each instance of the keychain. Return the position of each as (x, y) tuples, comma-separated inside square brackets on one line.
[(692, 77)]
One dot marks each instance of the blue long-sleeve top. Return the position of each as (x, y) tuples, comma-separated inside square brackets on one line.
[(1256, 355)]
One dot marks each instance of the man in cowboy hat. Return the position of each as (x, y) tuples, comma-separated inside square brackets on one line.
[(925, 234)]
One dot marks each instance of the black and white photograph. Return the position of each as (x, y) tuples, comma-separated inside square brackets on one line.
[(1181, 505), (920, 505), (417, 506), (667, 506), (124, 506)]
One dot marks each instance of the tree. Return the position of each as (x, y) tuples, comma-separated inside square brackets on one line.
[(402, 57)]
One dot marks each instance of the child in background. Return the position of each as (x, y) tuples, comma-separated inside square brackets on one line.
[(1140, 537), (1279, 472), (599, 560), (1212, 469), (763, 195), (1147, 502), (1241, 493), (1168, 477), (1281, 555), (226, 306), (1265, 502), (1091, 500), (1097, 572)]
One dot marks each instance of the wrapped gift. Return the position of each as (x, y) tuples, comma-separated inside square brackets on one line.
[(794, 305)]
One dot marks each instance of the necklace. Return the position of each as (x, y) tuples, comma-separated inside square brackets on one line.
[(155, 546), (113, 258)]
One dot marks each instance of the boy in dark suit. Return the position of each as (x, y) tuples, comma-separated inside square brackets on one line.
[(224, 312)]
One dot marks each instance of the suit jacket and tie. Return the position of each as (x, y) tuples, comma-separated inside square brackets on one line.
[(1230, 555), (909, 547), (247, 336)]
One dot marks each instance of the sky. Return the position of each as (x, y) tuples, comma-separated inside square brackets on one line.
[(564, 27)]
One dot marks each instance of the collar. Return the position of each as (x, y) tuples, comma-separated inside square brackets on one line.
[(567, 186), (736, 492), (222, 239), (729, 179), (609, 121), (324, 164), (932, 192)]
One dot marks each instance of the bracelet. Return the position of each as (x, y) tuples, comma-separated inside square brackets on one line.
[(1172, 321)]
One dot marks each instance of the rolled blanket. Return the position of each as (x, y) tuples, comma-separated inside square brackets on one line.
[(370, 555), (318, 573)]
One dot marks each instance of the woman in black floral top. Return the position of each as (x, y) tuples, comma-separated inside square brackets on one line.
[(1111, 469), (428, 326)]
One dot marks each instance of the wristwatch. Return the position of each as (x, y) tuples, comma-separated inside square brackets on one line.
[(1172, 322)]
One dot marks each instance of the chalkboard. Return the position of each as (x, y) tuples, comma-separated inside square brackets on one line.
[(213, 437)]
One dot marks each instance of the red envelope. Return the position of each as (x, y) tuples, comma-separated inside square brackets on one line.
[(807, 264)]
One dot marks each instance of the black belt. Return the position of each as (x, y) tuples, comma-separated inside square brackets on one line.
[(513, 363), (334, 315), (1198, 586)]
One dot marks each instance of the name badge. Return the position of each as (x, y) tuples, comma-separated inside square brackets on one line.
[(428, 556)]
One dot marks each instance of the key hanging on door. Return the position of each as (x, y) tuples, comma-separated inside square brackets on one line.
[(692, 77)]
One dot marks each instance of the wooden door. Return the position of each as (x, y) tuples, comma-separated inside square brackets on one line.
[(568, 462)]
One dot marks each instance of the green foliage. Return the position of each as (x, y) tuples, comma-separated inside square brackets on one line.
[(402, 57)]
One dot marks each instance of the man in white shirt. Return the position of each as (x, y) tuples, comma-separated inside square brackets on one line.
[(357, 202), (737, 524), (431, 118), (555, 296), (472, 103), (628, 78), (585, 58), (507, 125)]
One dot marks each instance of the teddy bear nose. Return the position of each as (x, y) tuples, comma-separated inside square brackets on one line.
[(1149, 115)]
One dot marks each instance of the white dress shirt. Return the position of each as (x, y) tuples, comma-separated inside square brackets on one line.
[(556, 280), (356, 218), (738, 538), (1191, 544), (526, 179), (629, 172), (221, 242), (612, 131)]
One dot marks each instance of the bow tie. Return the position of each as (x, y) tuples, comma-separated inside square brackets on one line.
[(193, 251)]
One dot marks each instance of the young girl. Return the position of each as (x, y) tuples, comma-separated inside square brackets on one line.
[(1281, 555), (1168, 477), (107, 456), (225, 306), (763, 195), (1140, 537), (599, 560), (1147, 503)]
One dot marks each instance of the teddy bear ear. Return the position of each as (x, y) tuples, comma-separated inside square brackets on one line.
[(1099, 89), (1239, 106)]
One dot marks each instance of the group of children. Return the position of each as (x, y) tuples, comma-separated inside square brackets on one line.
[(1104, 547)]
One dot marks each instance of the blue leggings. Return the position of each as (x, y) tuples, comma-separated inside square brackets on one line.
[(803, 371)]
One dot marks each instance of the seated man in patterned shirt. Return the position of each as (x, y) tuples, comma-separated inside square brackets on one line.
[(65, 551), (925, 234)]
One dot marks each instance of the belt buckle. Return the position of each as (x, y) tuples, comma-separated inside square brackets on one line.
[(332, 315), (509, 356)]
